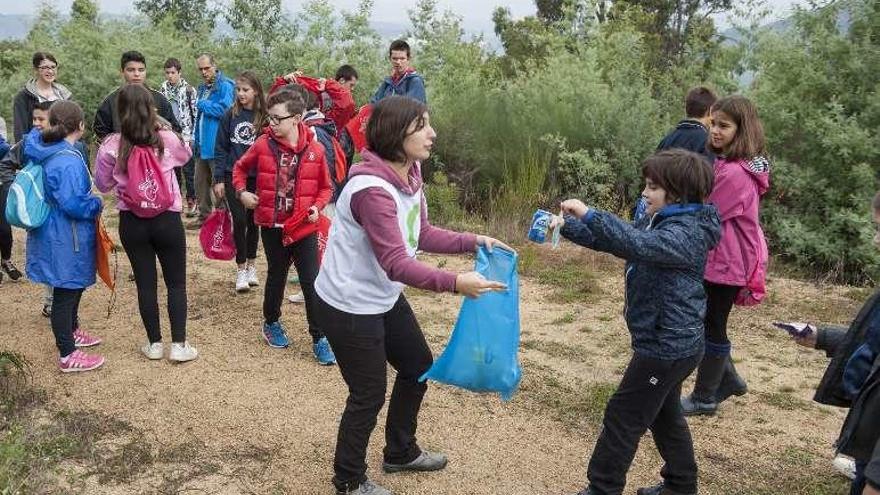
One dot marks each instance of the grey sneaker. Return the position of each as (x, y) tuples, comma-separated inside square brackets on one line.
[(426, 461), (366, 488)]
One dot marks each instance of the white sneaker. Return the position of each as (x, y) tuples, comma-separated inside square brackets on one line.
[(252, 279), (153, 351), (297, 298), (182, 352), (241, 281), (845, 466)]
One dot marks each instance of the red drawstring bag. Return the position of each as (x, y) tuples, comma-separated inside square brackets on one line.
[(298, 227), (357, 127), (215, 236)]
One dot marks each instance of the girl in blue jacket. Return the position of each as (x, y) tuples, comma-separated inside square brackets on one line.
[(61, 252)]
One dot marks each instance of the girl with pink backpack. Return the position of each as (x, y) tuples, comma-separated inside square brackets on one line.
[(737, 267), (139, 163)]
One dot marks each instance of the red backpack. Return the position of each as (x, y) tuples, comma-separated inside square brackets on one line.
[(147, 193)]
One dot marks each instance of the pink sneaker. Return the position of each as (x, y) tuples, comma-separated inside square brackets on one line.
[(82, 339), (80, 361)]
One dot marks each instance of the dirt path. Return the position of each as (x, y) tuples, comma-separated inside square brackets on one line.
[(245, 418)]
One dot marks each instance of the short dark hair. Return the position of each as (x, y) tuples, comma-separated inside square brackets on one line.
[(399, 45), (131, 56), (698, 102), (43, 105), (172, 62), (685, 176), (389, 125), (748, 142), (346, 73), (292, 100), (40, 56)]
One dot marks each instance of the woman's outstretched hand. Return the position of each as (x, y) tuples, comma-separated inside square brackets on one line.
[(474, 285), (491, 243)]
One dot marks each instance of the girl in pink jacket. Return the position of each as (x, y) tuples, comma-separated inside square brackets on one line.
[(736, 267)]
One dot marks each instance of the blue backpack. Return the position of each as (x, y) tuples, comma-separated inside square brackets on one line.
[(26, 205)]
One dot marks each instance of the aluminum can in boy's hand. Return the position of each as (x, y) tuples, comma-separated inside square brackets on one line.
[(540, 226)]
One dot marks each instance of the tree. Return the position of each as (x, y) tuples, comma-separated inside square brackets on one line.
[(84, 11), (189, 15)]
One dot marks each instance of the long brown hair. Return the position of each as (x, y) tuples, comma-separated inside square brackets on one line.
[(65, 118), (137, 122), (749, 139), (259, 110)]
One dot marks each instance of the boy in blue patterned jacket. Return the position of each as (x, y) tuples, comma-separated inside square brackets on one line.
[(665, 253)]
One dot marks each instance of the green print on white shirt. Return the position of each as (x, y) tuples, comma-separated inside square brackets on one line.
[(411, 218)]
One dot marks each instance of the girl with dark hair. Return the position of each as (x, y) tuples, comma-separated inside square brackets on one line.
[(238, 129), (160, 236), (41, 87), (381, 221), (61, 253), (737, 267)]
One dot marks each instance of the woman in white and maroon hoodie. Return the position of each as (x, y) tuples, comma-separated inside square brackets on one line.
[(381, 220)]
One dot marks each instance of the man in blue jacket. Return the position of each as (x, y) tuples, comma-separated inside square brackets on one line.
[(404, 80), (215, 97)]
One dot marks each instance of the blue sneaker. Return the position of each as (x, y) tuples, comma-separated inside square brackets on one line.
[(275, 335), (323, 352)]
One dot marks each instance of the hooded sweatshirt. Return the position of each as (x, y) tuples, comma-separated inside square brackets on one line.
[(740, 259), (409, 84), (665, 258), (235, 135), (371, 252), (24, 103), (61, 252)]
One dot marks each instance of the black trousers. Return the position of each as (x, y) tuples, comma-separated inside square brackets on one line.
[(364, 345), (145, 240), (719, 303), (304, 256), (647, 398), (5, 228), (189, 170), (244, 230), (65, 319)]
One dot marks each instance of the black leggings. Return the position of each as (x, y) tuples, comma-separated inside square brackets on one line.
[(244, 231), (304, 255), (719, 302), (144, 240), (65, 311), (5, 229)]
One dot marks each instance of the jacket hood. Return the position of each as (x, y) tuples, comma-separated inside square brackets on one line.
[(758, 168), (705, 215), (373, 164), (37, 150), (408, 74), (314, 118), (306, 136), (60, 89)]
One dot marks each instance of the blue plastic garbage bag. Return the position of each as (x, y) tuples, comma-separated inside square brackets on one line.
[(481, 355)]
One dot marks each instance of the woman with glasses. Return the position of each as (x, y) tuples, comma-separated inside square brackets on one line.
[(292, 187), (42, 87)]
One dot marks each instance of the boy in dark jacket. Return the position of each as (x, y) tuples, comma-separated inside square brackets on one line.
[(852, 380), (134, 71), (691, 133), (404, 80), (665, 253)]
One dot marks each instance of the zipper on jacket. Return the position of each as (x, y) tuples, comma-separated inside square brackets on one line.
[(75, 237)]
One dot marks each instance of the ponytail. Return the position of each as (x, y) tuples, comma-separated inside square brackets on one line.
[(65, 118)]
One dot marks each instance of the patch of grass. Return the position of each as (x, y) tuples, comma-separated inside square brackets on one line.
[(790, 483), (575, 407), (565, 319), (784, 401), (556, 350), (571, 277)]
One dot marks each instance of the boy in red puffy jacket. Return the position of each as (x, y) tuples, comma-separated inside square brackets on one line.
[(293, 186)]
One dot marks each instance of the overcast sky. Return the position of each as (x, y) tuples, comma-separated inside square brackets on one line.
[(476, 13)]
